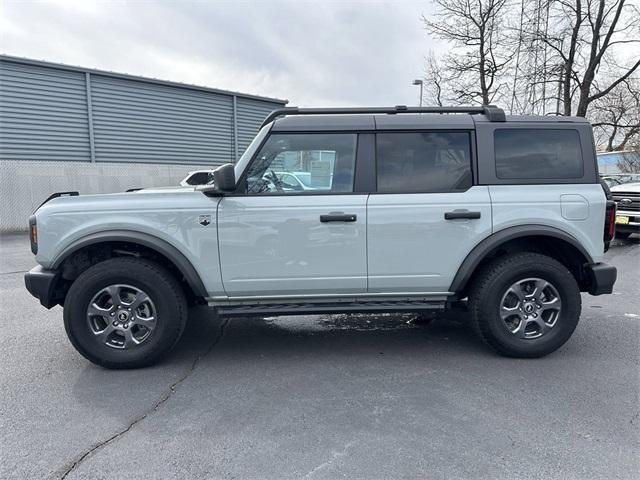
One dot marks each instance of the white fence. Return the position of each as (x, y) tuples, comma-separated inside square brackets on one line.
[(26, 184)]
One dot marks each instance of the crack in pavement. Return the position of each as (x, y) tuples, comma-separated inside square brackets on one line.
[(168, 394), (334, 456)]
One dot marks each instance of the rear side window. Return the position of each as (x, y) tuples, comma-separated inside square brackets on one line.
[(425, 162), (528, 154)]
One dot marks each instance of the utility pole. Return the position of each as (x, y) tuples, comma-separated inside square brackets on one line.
[(559, 90)]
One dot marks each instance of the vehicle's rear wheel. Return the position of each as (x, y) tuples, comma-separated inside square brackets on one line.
[(125, 313), (525, 305)]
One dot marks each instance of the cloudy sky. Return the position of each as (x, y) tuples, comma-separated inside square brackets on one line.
[(313, 53)]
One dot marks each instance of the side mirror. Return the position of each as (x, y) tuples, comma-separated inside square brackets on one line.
[(224, 178)]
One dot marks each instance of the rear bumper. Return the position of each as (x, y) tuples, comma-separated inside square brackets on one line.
[(602, 277), (41, 284)]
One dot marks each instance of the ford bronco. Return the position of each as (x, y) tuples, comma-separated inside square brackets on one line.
[(403, 209)]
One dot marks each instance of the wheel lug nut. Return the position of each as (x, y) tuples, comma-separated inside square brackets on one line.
[(115, 324), (112, 314)]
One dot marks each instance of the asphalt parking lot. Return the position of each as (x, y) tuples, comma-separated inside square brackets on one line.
[(371, 397)]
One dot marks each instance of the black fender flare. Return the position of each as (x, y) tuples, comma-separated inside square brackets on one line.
[(494, 240), (154, 243)]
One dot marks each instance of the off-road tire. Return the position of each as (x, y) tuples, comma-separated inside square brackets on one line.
[(160, 286), (492, 283)]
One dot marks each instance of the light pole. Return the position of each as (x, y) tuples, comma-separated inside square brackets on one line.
[(419, 82)]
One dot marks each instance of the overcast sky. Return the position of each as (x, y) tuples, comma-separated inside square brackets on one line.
[(312, 53)]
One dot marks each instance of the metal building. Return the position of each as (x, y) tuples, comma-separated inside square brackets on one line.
[(71, 128)]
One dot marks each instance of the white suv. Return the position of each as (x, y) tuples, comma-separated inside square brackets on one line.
[(406, 210), (627, 198)]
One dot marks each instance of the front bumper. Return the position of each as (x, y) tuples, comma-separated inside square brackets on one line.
[(41, 284), (634, 221), (601, 278)]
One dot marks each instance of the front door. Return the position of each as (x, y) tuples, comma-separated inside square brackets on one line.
[(295, 227), (426, 215)]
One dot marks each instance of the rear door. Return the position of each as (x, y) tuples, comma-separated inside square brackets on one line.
[(426, 214), (283, 241)]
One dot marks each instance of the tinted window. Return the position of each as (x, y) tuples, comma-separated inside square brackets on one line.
[(310, 162), (423, 161), (537, 153)]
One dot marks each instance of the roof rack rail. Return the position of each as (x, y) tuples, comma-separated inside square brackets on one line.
[(493, 113)]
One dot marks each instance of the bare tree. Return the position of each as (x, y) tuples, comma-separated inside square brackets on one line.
[(476, 60), (433, 80), (581, 35), (534, 72), (616, 116), (541, 57)]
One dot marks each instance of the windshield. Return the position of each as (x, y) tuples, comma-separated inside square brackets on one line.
[(615, 163), (241, 164)]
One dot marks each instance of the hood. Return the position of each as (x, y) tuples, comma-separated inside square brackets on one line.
[(152, 199), (172, 189), (627, 187)]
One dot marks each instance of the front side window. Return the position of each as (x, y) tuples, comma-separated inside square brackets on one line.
[(425, 162), (529, 154), (304, 163)]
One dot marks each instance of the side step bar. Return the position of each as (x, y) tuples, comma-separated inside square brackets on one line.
[(318, 308)]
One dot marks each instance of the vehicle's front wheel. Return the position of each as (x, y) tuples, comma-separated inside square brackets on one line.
[(525, 305), (125, 313)]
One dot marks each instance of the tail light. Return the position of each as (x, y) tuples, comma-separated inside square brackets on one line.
[(609, 223), (612, 221)]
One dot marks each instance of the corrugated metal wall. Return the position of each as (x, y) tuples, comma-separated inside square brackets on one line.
[(141, 122), (54, 112), (43, 114), (250, 114)]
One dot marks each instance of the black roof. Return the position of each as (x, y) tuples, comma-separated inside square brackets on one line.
[(397, 118), (371, 122)]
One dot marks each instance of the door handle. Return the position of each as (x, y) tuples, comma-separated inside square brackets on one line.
[(338, 217), (456, 214)]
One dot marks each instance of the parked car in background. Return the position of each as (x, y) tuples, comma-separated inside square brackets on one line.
[(618, 168), (197, 177), (625, 161), (620, 178), (299, 181), (627, 198)]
